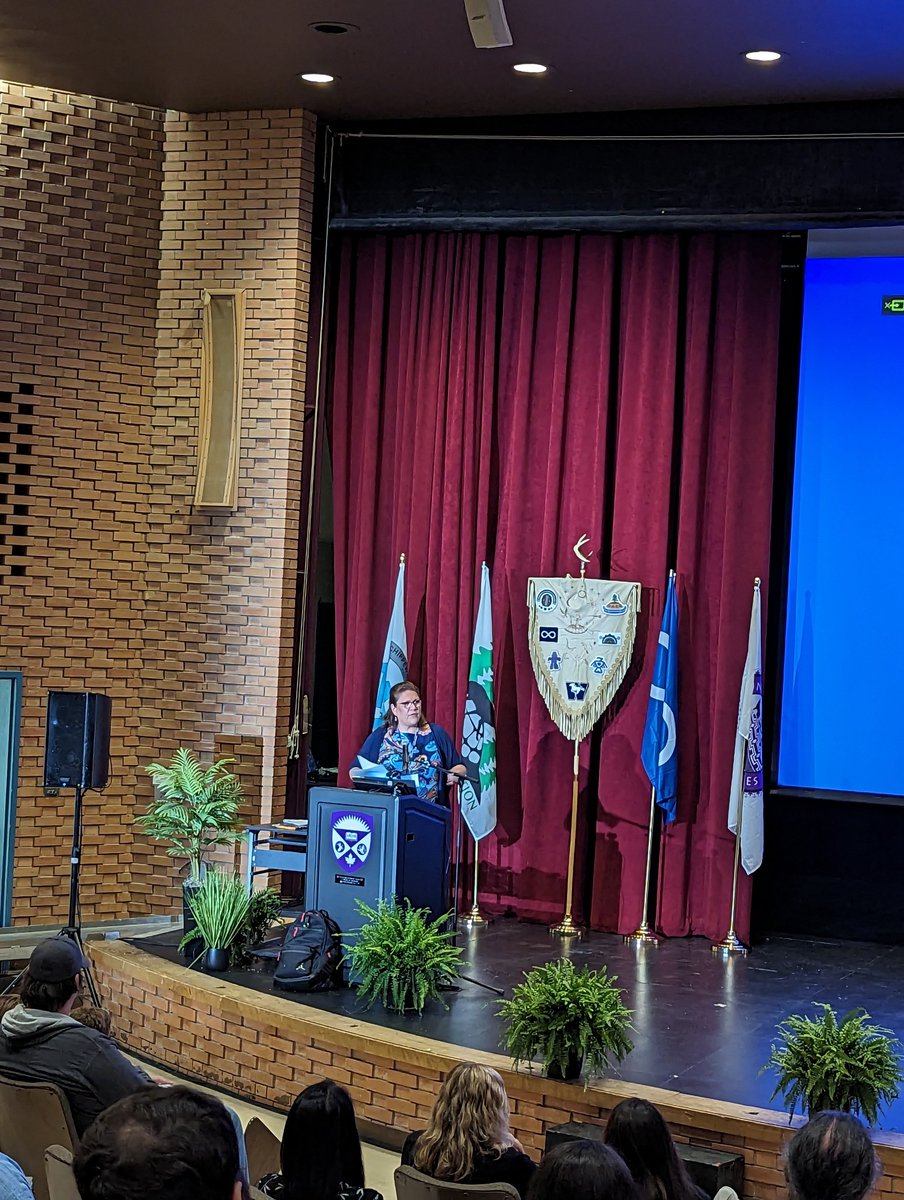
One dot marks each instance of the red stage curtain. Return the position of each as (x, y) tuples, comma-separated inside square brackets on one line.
[(498, 397)]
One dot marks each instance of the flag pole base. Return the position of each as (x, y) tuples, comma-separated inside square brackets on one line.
[(473, 919), (567, 928), (729, 945), (642, 935)]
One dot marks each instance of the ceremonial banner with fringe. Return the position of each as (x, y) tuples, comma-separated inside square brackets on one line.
[(581, 634)]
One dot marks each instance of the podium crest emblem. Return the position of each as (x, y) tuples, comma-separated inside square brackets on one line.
[(352, 835)]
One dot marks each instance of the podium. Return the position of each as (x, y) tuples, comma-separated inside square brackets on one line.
[(372, 846)]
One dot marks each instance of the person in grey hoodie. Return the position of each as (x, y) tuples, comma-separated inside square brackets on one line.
[(40, 1042)]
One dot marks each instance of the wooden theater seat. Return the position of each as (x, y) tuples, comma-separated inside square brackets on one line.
[(412, 1185), (262, 1147), (58, 1173), (34, 1116)]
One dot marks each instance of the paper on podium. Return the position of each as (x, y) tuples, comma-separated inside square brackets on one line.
[(376, 773), (369, 772)]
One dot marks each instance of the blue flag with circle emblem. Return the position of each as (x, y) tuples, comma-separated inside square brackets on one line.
[(659, 752)]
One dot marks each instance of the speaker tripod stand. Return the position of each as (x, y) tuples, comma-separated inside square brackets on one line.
[(74, 929)]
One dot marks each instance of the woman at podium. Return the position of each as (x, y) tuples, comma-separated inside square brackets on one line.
[(410, 746)]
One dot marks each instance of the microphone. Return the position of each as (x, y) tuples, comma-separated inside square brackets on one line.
[(405, 754)]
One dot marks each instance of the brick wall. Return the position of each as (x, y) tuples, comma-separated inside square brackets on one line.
[(267, 1048), (115, 217)]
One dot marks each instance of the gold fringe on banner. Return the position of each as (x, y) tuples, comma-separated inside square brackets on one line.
[(575, 718)]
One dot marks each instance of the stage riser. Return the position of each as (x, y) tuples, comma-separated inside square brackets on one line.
[(267, 1049)]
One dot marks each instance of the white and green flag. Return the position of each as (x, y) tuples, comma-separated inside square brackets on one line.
[(478, 802)]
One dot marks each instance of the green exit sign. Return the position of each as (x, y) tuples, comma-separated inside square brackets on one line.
[(893, 306)]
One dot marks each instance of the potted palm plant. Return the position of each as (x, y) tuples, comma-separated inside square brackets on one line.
[(568, 1018), (195, 809), (219, 906), (401, 958), (847, 1066)]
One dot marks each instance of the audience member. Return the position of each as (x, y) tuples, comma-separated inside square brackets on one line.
[(13, 1184), (41, 1041), (637, 1131), (86, 1014), (321, 1152), (582, 1170), (160, 1143), (94, 1017), (831, 1158), (468, 1139)]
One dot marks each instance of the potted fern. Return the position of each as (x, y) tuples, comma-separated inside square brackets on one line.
[(401, 958), (195, 809), (219, 906), (847, 1066), (568, 1018)]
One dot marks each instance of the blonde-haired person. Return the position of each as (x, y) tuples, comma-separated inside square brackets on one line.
[(468, 1139)]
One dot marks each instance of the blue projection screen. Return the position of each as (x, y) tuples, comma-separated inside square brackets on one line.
[(844, 636)]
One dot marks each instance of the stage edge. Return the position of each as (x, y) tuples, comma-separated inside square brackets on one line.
[(267, 1049)]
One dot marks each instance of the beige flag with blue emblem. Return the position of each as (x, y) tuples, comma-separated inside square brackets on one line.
[(581, 634)]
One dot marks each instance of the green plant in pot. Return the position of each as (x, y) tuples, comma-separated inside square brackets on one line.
[(567, 1018), (263, 909), (847, 1065), (401, 958), (195, 809), (220, 909)]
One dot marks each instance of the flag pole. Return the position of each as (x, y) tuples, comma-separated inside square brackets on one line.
[(731, 943), (643, 933), (475, 918), (567, 927)]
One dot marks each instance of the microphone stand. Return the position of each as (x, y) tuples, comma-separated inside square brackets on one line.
[(445, 776)]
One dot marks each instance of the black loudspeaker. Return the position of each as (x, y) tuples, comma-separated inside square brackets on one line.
[(77, 749)]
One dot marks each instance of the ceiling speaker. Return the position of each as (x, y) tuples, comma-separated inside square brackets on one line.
[(488, 25)]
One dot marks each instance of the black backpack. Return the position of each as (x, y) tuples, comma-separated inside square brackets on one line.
[(311, 954)]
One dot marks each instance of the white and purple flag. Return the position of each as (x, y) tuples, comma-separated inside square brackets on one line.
[(747, 770)]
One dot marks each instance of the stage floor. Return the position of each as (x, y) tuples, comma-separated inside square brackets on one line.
[(702, 1026)]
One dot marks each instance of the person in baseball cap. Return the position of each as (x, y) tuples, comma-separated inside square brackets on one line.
[(41, 1042), (56, 960)]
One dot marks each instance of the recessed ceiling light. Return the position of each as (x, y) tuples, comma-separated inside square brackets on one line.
[(333, 28), (763, 56), (316, 77), (530, 68)]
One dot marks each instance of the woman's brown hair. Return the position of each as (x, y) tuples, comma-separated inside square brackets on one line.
[(470, 1118)]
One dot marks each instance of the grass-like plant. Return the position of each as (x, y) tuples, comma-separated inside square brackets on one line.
[(849, 1066), (400, 957), (561, 1014), (263, 909), (220, 908), (196, 807)]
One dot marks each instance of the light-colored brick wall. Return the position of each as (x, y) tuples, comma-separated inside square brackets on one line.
[(114, 218), (268, 1048)]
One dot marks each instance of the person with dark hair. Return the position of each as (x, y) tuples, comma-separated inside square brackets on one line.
[(468, 1139), (831, 1158), (582, 1170), (160, 1143), (321, 1152), (637, 1131), (408, 744), (41, 1042)]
